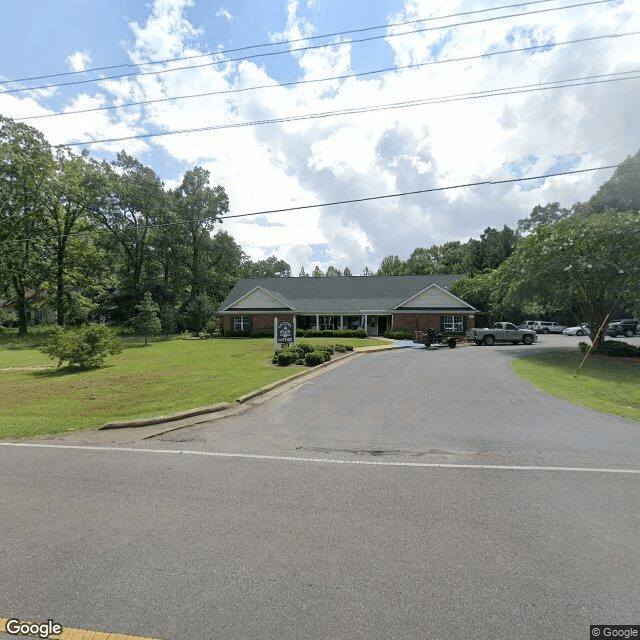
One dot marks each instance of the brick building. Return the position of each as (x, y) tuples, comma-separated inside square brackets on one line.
[(377, 303)]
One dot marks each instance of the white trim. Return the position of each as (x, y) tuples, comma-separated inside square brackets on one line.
[(246, 295), (437, 286)]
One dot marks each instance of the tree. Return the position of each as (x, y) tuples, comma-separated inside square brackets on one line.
[(332, 272), (547, 214), (587, 262), (621, 191), (26, 171), (317, 272), (147, 321), (347, 272), (86, 348), (391, 266), (198, 207), (303, 273), (367, 272), (272, 267)]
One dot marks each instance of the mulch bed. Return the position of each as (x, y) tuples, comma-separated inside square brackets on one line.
[(601, 356)]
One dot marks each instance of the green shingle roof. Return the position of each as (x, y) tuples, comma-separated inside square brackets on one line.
[(340, 295)]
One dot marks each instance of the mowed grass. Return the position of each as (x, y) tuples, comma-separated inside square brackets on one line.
[(161, 378), (603, 385)]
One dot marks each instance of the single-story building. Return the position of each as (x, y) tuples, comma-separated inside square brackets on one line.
[(377, 303)]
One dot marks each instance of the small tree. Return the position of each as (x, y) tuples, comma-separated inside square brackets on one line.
[(147, 321), (86, 348), (168, 319)]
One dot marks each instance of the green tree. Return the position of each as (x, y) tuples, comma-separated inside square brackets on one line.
[(198, 207), (271, 267), (303, 273), (147, 321), (391, 266), (26, 173), (547, 214), (332, 272), (621, 191), (347, 272), (586, 262), (317, 272)]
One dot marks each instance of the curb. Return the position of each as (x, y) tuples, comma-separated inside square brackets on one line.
[(224, 406), (145, 422)]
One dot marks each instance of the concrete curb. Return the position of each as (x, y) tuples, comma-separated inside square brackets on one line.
[(225, 406), (145, 422)]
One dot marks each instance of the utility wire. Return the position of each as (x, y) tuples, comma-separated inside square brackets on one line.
[(328, 79), (276, 53), (321, 205), (273, 44), (554, 84)]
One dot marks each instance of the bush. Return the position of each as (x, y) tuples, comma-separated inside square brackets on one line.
[(584, 347), (404, 334), (263, 333), (333, 333), (314, 358), (618, 349), (236, 334), (339, 348), (86, 348), (305, 347)]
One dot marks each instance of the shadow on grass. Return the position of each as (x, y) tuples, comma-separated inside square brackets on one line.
[(61, 372)]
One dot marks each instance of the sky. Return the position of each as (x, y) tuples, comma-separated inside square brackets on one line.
[(398, 94)]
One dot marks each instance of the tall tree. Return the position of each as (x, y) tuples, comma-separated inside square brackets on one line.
[(621, 191), (332, 272), (198, 207), (271, 267), (588, 262), (26, 171), (547, 214), (130, 211), (391, 266)]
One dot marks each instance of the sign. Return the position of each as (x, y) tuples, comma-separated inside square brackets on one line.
[(285, 332)]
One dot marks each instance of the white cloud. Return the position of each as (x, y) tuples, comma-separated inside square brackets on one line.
[(79, 60), (283, 165), (224, 13)]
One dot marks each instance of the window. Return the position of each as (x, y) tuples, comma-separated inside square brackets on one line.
[(241, 323), (453, 324)]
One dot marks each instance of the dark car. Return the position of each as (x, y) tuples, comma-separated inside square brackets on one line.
[(626, 328)]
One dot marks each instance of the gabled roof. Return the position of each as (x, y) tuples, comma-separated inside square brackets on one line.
[(349, 295)]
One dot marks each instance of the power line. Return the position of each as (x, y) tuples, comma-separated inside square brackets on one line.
[(328, 79), (554, 84), (281, 42), (320, 205), (276, 53)]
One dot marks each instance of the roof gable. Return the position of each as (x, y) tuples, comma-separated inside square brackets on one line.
[(259, 298), (434, 297)]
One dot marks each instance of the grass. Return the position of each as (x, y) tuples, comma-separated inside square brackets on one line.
[(603, 385), (161, 378)]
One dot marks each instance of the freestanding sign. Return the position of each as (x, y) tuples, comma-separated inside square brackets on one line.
[(284, 332)]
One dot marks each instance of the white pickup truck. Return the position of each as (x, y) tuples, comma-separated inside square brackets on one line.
[(502, 332)]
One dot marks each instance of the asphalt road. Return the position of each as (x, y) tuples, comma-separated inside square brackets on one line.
[(407, 494)]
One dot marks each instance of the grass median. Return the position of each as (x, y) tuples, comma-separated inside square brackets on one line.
[(161, 378), (610, 386)]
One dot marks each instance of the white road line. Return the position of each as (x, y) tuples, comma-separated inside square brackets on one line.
[(372, 463)]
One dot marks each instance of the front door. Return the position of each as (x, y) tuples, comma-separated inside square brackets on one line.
[(372, 325)]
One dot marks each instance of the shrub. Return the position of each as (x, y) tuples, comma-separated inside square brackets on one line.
[(263, 333), (305, 347), (333, 333), (236, 334), (348, 347), (618, 349), (339, 348), (404, 334), (86, 348), (314, 358), (584, 347)]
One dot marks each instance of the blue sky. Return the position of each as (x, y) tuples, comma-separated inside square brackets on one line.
[(273, 166)]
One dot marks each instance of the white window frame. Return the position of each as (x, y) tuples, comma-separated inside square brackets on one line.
[(242, 323), (453, 324)]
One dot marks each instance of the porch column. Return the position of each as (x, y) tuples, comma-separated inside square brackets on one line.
[(341, 323), (317, 323), (366, 324)]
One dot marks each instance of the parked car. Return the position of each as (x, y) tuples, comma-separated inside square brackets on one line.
[(542, 326), (502, 332), (626, 328), (580, 330), (527, 324)]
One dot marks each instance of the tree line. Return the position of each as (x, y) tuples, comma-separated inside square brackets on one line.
[(93, 237)]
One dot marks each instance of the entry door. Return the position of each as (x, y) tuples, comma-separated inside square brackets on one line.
[(372, 328)]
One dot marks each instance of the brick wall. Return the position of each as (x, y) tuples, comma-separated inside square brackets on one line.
[(258, 321), (424, 321)]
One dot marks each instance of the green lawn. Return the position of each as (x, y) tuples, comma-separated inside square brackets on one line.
[(161, 378), (604, 385)]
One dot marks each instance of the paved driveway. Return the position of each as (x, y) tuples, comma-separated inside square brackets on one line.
[(407, 494), (462, 405)]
